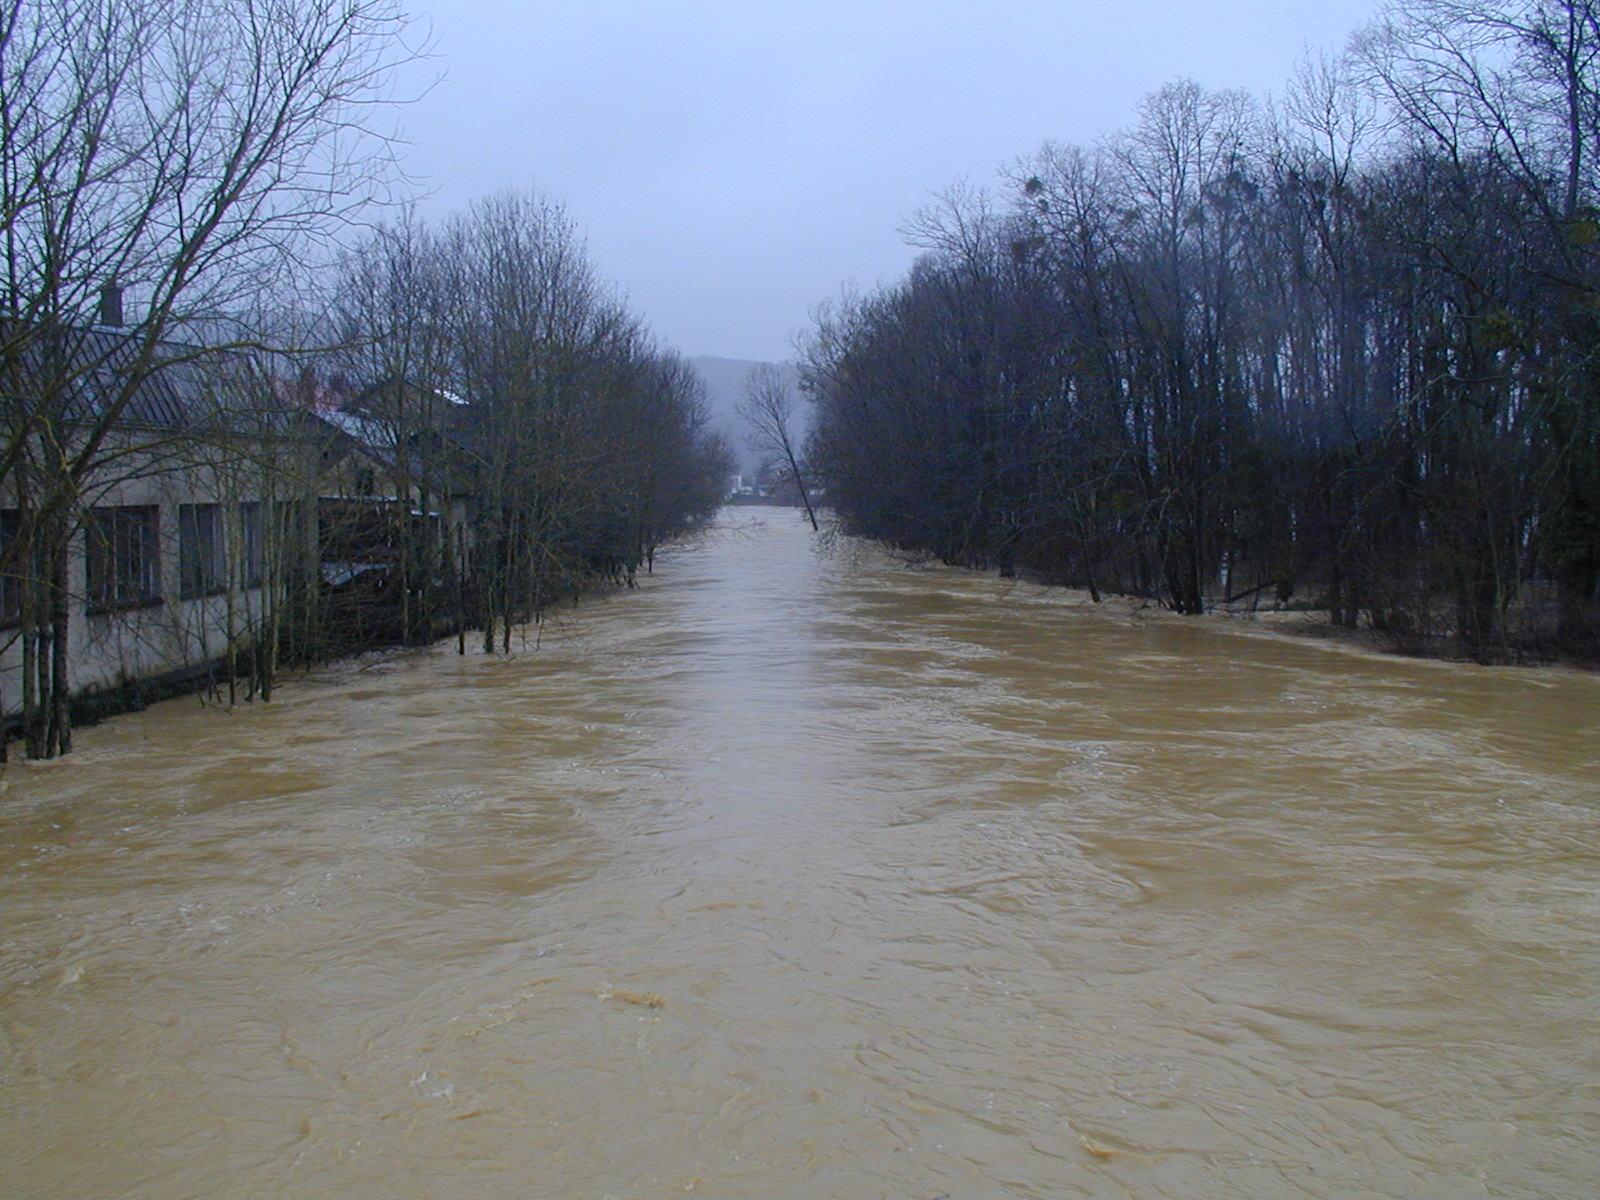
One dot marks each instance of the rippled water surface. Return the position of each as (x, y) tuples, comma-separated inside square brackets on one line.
[(948, 887)]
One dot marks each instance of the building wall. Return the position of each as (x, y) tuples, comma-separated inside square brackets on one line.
[(110, 648)]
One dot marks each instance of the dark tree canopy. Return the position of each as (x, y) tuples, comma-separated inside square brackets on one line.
[(1340, 353)]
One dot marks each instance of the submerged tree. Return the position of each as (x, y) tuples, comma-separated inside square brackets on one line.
[(768, 408)]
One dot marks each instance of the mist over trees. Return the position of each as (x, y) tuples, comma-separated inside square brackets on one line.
[(768, 410), (724, 380), (1339, 350)]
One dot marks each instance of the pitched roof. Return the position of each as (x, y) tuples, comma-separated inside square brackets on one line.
[(83, 370)]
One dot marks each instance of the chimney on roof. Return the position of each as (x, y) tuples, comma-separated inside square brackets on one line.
[(111, 305)]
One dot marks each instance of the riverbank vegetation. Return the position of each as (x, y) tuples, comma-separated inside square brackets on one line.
[(486, 354), (256, 414), (1340, 350)]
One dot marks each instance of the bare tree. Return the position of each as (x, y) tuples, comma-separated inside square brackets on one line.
[(1346, 354), (768, 406), (163, 164)]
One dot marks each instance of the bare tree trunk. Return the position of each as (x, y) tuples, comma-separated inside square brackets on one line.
[(60, 686), (805, 495), (33, 741), (458, 568), (39, 716)]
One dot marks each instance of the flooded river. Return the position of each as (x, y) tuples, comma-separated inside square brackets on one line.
[(943, 887)]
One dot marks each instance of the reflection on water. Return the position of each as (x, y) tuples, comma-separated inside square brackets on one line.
[(948, 886)]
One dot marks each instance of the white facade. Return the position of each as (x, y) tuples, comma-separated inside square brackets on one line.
[(178, 608)]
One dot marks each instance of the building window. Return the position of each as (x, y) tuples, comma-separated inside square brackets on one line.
[(123, 557), (250, 556), (12, 571), (201, 566)]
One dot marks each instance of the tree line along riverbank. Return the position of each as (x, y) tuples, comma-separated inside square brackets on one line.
[(253, 412), (1337, 352)]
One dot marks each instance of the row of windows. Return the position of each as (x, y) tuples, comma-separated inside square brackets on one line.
[(122, 547)]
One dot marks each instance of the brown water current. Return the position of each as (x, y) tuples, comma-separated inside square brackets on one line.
[(949, 887)]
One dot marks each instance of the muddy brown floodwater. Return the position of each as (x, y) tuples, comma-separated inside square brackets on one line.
[(800, 876)]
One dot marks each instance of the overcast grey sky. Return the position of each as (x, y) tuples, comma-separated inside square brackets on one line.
[(733, 163)]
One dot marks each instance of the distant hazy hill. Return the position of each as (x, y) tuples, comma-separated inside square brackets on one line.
[(724, 389)]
